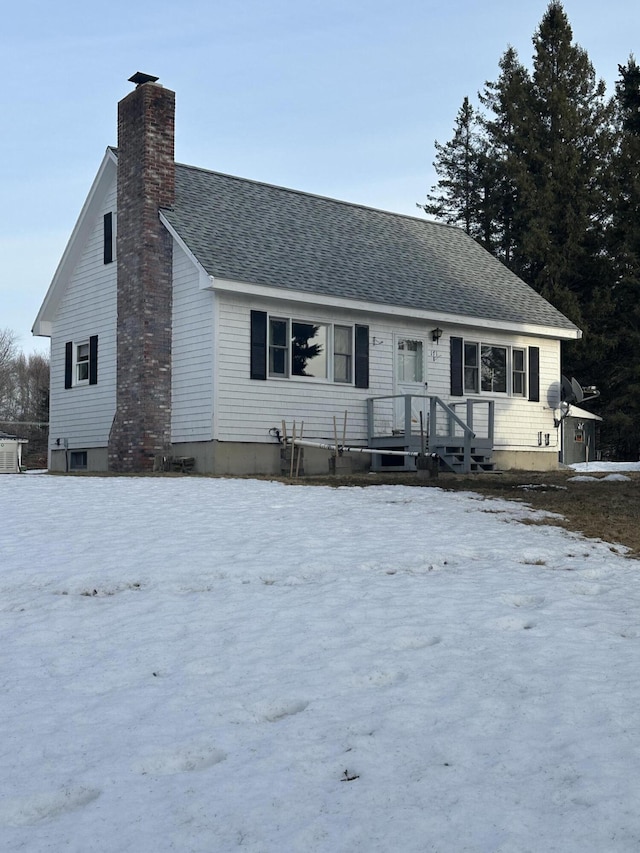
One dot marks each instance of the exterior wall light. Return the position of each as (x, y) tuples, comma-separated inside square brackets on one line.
[(436, 334)]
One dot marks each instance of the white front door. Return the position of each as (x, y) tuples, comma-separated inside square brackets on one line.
[(410, 379)]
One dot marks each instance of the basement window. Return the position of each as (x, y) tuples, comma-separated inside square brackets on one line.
[(78, 460)]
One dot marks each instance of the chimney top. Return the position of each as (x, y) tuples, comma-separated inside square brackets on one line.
[(139, 78)]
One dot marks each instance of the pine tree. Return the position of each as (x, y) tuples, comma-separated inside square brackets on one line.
[(458, 196), (508, 102), (622, 388), (568, 138)]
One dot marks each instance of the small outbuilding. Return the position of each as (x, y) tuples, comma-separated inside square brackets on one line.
[(579, 436), (10, 453)]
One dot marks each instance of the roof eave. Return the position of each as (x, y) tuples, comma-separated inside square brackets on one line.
[(208, 282)]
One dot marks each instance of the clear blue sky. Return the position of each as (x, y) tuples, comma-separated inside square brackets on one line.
[(343, 98)]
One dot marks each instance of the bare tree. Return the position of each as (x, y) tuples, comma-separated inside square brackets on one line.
[(24, 395), (8, 351)]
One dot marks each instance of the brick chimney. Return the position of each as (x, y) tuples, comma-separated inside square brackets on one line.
[(146, 182)]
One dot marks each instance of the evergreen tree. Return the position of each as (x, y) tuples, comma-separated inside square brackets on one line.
[(506, 128), (622, 385), (532, 188), (457, 197), (548, 179), (568, 139)]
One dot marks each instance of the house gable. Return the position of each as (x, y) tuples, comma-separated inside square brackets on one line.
[(84, 227)]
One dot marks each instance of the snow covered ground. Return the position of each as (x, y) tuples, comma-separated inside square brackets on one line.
[(205, 665)]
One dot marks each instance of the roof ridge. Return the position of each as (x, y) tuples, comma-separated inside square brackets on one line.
[(320, 197)]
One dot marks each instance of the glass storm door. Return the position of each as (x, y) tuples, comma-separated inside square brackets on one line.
[(410, 379)]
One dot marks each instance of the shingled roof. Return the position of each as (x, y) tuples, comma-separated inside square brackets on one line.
[(257, 233)]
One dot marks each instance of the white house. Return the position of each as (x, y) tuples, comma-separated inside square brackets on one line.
[(193, 312)]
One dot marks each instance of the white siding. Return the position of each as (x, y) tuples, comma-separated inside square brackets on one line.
[(83, 415), (192, 354), (245, 409), (518, 422)]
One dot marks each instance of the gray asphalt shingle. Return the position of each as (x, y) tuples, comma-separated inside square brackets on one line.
[(261, 234)]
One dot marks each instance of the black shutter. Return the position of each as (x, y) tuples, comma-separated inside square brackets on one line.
[(108, 238), (534, 374), (457, 387), (68, 364), (258, 345), (362, 357), (93, 360)]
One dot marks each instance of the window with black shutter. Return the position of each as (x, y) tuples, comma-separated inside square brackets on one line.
[(81, 362)]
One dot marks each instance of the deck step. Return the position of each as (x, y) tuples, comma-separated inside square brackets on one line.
[(452, 459)]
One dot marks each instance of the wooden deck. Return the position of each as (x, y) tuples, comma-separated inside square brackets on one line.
[(460, 433)]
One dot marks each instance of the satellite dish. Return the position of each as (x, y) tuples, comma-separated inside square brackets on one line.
[(568, 393), (577, 391)]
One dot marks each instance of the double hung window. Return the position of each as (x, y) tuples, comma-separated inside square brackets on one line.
[(81, 362), (494, 369)]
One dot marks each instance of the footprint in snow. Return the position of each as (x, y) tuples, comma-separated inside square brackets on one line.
[(185, 760), (513, 623), (412, 642), (594, 574), (26, 811), (272, 712), (588, 589), (378, 678), (526, 602)]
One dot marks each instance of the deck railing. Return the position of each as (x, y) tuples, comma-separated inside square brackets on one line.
[(396, 419)]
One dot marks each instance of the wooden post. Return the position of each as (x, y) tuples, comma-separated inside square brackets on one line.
[(299, 450), (293, 449)]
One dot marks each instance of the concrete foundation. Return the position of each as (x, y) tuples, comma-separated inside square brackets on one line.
[(526, 460), (246, 459), (97, 459)]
